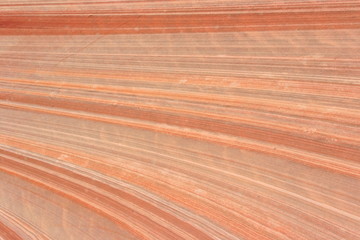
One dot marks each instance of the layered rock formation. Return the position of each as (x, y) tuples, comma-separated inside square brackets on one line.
[(179, 119)]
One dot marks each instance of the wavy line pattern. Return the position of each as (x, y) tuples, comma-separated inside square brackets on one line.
[(180, 119)]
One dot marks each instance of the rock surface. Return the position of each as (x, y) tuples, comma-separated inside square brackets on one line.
[(180, 119)]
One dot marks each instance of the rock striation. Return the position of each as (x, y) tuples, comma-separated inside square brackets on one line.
[(180, 119)]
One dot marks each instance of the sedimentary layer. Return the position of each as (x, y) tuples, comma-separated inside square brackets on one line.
[(179, 119)]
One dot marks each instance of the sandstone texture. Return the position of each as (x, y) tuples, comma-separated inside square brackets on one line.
[(180, 119)]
